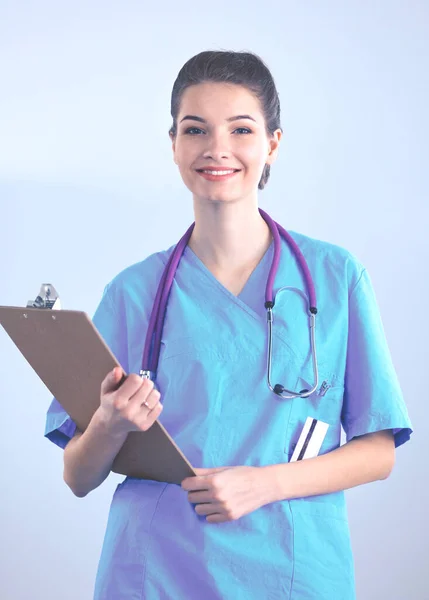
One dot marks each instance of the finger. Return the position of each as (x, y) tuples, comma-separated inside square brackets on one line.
[(110, 382), (217, 518), (151, 400), (210, 471), (137, 401), (208, 508), (195, 483), (129, 387), (130, 407), (200, 496), (144, 423), (202, 481)]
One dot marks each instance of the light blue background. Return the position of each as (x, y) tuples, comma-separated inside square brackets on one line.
[(88, 186)]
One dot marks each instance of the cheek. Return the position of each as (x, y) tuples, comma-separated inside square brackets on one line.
[(186, 161), (252, 153), (253, 156)]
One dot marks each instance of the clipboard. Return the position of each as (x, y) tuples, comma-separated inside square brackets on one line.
[(72, 359)]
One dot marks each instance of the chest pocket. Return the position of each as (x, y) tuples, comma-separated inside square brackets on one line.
[(324, 404)]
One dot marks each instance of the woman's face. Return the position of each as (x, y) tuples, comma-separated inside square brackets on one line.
[(219, 143)]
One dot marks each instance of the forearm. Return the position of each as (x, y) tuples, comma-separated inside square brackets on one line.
[(362, 460), (88, 457)]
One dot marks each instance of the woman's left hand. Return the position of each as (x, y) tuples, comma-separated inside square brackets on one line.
[(228, 493)]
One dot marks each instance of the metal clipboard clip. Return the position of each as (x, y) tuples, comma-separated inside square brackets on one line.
[(47, 298)]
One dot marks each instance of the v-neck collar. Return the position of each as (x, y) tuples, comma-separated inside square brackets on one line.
[(250, 291), (199, 263)]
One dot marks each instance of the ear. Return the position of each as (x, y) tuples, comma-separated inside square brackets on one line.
[(274, 144), (173, 145)]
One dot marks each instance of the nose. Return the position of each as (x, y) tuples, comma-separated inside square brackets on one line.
[(217, 156), (217, 146)]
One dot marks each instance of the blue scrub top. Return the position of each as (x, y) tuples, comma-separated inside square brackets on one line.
[(220, 412)]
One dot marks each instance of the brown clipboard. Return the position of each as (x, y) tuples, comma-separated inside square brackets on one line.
[(71, 358)]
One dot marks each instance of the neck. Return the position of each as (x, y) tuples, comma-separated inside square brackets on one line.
[(231, 237)]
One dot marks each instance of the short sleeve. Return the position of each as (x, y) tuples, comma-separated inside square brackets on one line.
[(373, 400), (60, 428)]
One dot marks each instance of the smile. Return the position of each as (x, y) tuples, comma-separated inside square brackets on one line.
[(217, 175)]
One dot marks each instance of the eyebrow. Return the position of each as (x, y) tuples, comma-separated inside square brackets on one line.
[(201, 120)]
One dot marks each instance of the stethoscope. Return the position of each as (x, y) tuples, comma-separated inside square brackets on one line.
[(157, 318)]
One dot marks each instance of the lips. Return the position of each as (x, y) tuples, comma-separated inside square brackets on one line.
[(218, 169), (217, 178)]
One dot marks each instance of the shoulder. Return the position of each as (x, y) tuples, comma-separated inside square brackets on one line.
[(141, 277), (328, 259)]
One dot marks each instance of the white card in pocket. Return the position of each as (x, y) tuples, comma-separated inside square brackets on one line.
[(311, 439)]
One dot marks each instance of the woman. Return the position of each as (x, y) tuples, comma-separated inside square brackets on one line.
[(253, 524)]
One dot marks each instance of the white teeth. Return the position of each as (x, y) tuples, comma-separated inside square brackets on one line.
[(218, 172)]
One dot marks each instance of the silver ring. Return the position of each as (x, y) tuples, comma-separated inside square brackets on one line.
[(146, 404)]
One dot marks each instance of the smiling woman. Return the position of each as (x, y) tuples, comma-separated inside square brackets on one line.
[(220, 144), (269, 526), (242, 73), (225, 156)]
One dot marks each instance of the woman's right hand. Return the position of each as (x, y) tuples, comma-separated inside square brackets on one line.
[(123, 409)]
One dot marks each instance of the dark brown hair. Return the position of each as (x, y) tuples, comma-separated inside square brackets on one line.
[(241, 68)]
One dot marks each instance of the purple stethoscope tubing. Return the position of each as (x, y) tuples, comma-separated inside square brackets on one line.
[(156, 323)]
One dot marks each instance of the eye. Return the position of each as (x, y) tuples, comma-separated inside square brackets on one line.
[(188, 131), (244, 129), (191, 129)]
